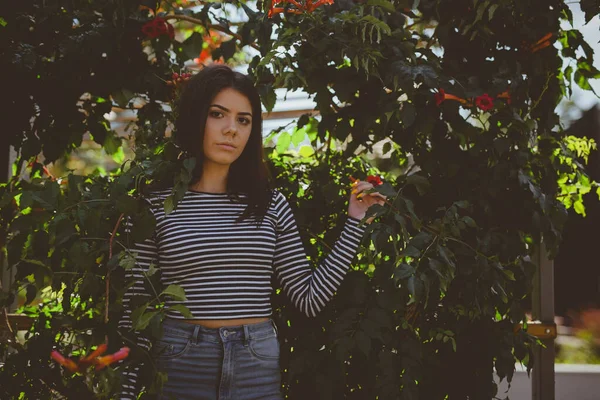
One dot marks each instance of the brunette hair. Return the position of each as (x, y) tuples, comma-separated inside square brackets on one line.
[(249, 173)]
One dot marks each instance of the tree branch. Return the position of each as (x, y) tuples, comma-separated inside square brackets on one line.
[(209, 27), (110, 253)]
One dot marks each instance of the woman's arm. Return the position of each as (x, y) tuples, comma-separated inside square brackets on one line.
[(310, 289)]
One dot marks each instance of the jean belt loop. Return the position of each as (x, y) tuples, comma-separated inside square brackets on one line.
[(246, 335), (196, 334), (275, 327)]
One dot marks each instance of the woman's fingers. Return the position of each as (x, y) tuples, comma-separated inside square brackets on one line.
[(360, 186), (373, 194)]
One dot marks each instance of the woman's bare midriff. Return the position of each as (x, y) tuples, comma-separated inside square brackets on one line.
[(219, 323)]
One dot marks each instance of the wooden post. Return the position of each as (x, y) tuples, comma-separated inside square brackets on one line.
[(542, 382)]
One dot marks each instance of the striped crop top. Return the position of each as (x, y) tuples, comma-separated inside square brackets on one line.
[(226, 267)]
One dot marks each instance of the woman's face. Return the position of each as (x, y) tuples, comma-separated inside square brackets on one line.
[(228, 127)]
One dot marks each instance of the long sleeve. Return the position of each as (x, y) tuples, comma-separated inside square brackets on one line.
[(310, 289), (146, 253)]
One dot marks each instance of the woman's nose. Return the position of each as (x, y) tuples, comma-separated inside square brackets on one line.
[(231, 126)]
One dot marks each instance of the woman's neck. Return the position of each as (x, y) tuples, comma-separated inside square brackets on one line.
[(213, 180)]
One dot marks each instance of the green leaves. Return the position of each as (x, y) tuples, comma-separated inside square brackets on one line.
[(465, 187), (267, 96), (283, 142), (183, 310), (175, 292), (591, 8), (374, 26), (403, 271), (384, 4), (193, 45), (141, 317)]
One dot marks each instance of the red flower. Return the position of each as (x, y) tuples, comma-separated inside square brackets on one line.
[(308, 6), (65, 362), (158, 27), (374, 180), (540, 44), (204, 55), (504, 95), (441, 95), (102, 362), (484, 102), (91, 359), (212, 42)]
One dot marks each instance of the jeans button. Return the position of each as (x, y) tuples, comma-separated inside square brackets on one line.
[(225, 333)]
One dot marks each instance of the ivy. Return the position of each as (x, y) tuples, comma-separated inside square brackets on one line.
[(459, 97)]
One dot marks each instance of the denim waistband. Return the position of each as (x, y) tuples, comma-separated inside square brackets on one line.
[(173, 327)]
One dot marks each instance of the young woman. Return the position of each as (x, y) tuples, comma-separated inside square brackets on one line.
[(228, 236)]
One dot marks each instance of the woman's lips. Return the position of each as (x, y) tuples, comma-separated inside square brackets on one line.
[(226, 146)]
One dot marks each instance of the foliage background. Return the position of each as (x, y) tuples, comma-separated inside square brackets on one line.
[(430, 309)]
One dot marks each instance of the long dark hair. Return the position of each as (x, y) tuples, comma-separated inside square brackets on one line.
[(248, 174)]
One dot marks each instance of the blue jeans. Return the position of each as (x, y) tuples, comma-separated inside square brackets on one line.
[(229, 363)]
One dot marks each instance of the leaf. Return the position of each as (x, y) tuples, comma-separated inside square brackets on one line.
[(267, 96), (306, 151), (151, 269), (579, 207), (183, 310), (410, 251), (298, 136), (462, 204), (509, 274), (169, 205), (192, 46), (175, 291), (123, 96), (228, 49), (380, 316), (421, 240), (303, 120), (415, 288), (420, 182), (189, 164), (446, 255), (403, 272), (469, 221), (142, 322), (591, 8), (363, 342), (437, 267), (408, 114), (492, 10), (143, 225), (112, 143), (127, 261), (387, 146), (283, 142), (386, 5), (374, 23), (127, 204)]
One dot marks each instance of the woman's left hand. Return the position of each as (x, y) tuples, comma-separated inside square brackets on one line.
[(360, 202)]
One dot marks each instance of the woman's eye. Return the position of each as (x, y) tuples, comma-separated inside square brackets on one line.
[(215, 114), (244, 121)]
